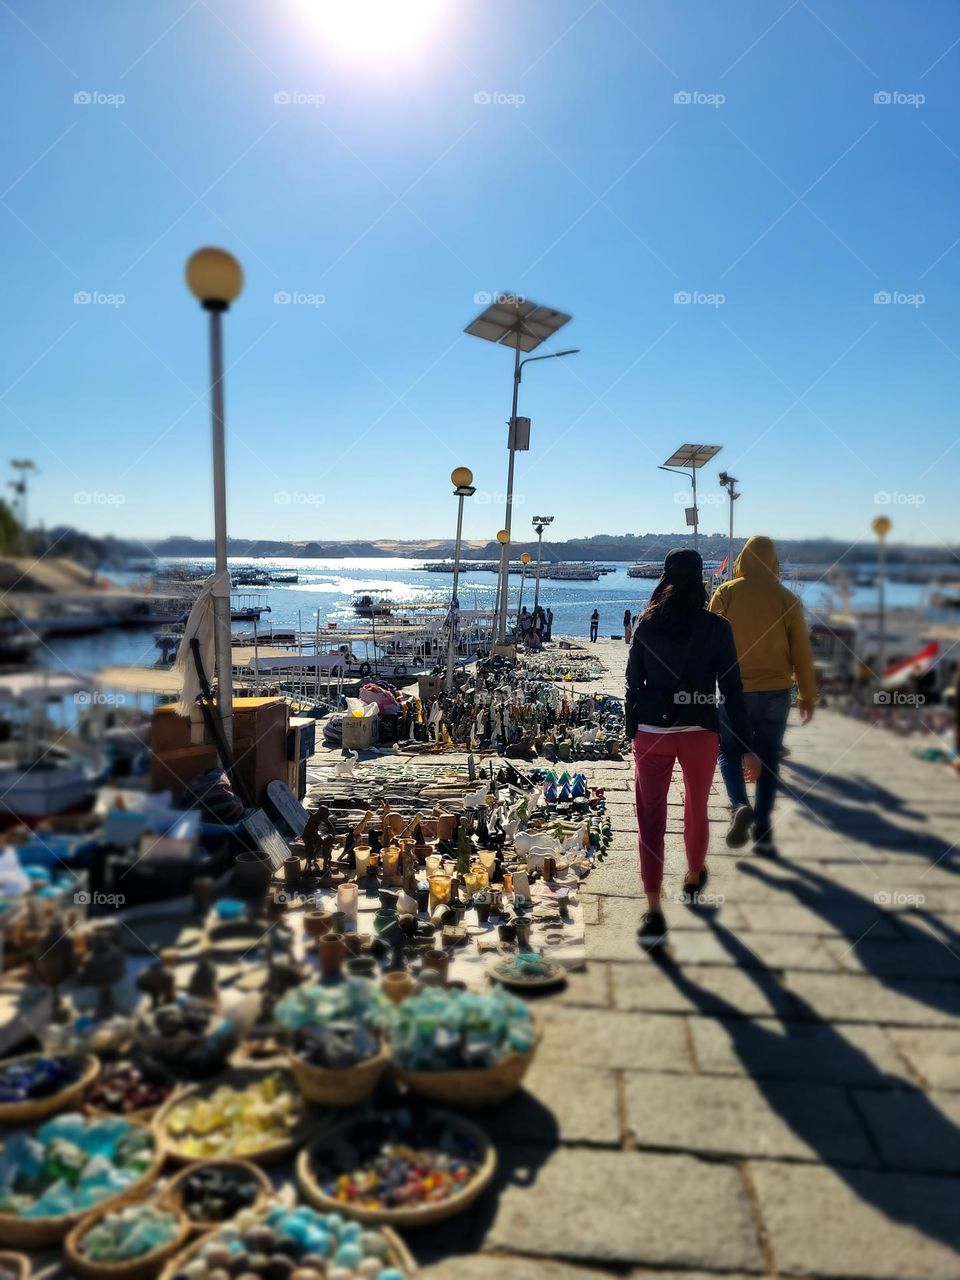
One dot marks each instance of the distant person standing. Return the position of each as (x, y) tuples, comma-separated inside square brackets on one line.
[(773, 648), (627, 627), (549, 624), (594, 625)]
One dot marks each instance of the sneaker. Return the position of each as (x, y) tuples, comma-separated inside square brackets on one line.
[(738, 833), (653, 929), (765, 849), (692, 891)]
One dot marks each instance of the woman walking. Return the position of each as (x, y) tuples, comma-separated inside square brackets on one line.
[(678, 657), (627, 627)]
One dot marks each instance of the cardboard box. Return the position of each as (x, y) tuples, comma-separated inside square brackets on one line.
[(175, 770), (259, 743), (360, 732), (430, 687)]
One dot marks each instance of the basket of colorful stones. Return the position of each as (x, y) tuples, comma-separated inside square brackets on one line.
[(285, 1243), (131, 1242), (215, 1191), (337, 1052), (254, 1115), (402, 1167), (39, 1084), (461, 1048), (53, 1176), (130, 1089)]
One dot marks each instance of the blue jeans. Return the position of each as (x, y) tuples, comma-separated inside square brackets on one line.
[(767, 715)]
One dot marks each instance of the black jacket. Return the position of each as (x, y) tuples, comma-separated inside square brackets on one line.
[(674, 683)]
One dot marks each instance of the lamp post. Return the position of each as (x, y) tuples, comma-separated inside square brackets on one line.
[(729, 483), (503, 538), (23, 467), (539, 523), (881, 526), (692, 456), (215, 278), (462, 480), (524, 561), (513, 321)]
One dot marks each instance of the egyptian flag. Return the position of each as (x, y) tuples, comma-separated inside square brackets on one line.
[(902, 673), (720, 569)]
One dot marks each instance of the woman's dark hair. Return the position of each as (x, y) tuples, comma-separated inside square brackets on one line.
[(678, 597)]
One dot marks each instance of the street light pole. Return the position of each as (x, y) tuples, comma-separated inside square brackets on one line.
[(881, 527), (729, 483), (504, 548), (539, 523), (216, 279), (462, 479), (524, 561), (23, 467)]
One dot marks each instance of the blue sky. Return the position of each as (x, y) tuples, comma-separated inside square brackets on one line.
[(387, 198)]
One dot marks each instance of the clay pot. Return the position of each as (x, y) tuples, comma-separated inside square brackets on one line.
[(507, 932), (316, 923), (360, 966), (353, 943), (483, 912), (251, 876), (332, 952), (397, 985), (292, 873), (438, 961)]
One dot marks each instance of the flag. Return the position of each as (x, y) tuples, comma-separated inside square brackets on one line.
[(721, 567), (901, 673)]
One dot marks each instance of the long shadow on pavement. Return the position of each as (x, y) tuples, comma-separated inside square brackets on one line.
[(836, 904), (861, 790), (755, 1045)]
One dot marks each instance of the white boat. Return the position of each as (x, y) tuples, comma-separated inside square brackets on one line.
[(368, 606), (573, 573), (45, 768)]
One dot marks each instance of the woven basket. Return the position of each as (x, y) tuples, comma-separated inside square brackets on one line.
[(18, 1263), (344, 1087), (172, 1192), (403, 1219), (143, 1268), (237, 1079), (40, 1108), (37, 1232), (471, 1089), (400, 1255)]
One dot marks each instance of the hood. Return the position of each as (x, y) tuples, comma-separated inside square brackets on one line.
[(758, 560)]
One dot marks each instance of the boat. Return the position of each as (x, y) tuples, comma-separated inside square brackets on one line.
[(572, 573), (645, 569), (249, 577), (368, 606), (45, 770), (286, 579)]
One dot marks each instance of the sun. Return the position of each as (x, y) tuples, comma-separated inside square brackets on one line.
[(375, 29)]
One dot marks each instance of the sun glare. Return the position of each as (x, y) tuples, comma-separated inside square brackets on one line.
[(376, 29)]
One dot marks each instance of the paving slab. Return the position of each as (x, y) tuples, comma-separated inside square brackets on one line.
[(602, 1038), (858, 1223), (851, 998), (560, 1102), (933, 1053), (706, 990), (630, 1208), (913, 1130), (722, 1116), (897, 958), (511, 1267), (765, 1048)]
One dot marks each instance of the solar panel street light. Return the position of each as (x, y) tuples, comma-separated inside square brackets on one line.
[(692, 457)]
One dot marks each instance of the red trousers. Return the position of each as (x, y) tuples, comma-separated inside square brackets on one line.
[(654, 755)]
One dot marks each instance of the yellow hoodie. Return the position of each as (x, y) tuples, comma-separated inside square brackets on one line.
[(769, 629)]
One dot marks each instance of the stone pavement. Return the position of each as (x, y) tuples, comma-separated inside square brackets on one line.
[(780, 1093)]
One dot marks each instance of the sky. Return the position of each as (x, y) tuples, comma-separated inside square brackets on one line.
[(749, 208)]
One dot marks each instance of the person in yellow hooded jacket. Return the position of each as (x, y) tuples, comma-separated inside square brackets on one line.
[(773, 648)]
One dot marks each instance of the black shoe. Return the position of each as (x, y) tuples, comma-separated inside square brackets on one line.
[(766, 849), (653, 929), (738, 833), (692, 891)]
